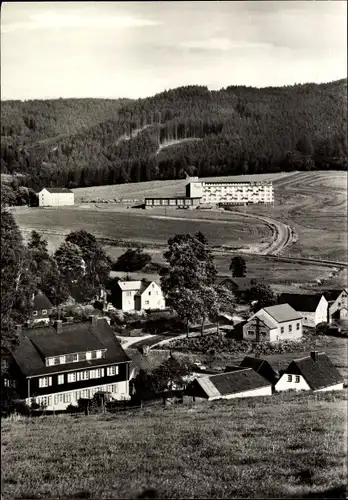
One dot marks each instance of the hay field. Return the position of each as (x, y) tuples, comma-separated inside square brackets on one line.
[(281, 446), (315, 204), (161, 188), (144, 227)]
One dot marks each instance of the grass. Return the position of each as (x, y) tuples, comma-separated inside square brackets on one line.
[(281, 446)]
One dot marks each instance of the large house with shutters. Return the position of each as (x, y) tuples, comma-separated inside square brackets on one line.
[(274, 324), (138, 296), (55, 197), (55, 366)]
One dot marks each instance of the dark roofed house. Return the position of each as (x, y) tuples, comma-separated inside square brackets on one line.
[(241, 383), (42, 308), (238, 285), (262, 367), (57, 365), (315, 372), (313, 307)]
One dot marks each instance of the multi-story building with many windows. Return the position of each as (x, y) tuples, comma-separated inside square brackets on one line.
[(213, 193), (57, 365)]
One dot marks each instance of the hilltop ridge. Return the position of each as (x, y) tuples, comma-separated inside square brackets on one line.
[(241, 130)]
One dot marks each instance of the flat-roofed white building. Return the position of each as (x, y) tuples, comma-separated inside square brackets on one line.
[(55, 197), (231, 192)]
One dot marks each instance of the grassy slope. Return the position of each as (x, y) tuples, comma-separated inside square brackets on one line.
[(254, 448)]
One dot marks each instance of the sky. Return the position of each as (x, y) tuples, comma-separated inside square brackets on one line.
[(137, 49)]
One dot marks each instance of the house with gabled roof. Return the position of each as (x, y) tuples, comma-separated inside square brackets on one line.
[(262, 367), (138, 296), (41, 309), (55, 197), (315, 372), (338, 306), (313, 307), (239, 383), (57, 365), (274, 324)]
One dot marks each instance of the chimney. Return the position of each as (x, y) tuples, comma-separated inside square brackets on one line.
[(19, 329), (315, 355), (58, 325), (93, 319)]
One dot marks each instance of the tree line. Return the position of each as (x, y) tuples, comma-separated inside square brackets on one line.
[(239, 130)]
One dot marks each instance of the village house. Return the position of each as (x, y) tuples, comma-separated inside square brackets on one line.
[(41, 310), (338, 306), (55, 197), (57, 365), (315, 372), (274, 324), (262, 367), (138, 296), (239, 383), (313, 307), (240, 286)]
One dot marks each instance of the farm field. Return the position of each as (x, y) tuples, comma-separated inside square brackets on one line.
[(280, 446), (150, 229)]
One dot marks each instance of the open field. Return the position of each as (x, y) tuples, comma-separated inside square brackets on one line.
[(281, 446), (160, 188), (142, 227)]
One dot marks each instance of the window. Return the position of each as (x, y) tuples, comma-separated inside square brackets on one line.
[(281, 329), (128, 294), (49, 361), (149, 293), (60, 379), (156, 293), (34, 313), (98, 354), (56, 361), (297, 326), (153, 285), (44, 311), (289, 378), (147, 302), (88, 355), (297, 379), (72, 377), (250, 332), (82, 375), (62, 360), (75, 357), (45, 381), (112, 370), (290, 328), (67, 398), (114, 388), (339, 304), (56, 399), (109, 388)]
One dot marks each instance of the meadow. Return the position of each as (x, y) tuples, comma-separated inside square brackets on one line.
[(280, 446)]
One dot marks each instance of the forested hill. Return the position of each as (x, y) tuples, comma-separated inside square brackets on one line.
[(84, 142)]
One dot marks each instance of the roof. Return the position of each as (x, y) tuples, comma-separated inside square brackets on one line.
[(318, 374), (332, 295), (260, 366), (144, 286), (301, 302), (232, 382), (38, 343), (129, 285), (241, 283), (269, 322), (282, 312), (58, 190), (41, 302)]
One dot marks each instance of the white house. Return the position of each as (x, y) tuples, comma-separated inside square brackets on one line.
[(315, 372), (139, 296), (239, 383), (313, 307), (273, 324), (55, 197), (338, 309)]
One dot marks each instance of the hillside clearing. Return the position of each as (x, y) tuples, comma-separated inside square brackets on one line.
[(283, 446)]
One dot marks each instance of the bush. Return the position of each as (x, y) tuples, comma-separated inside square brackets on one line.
[(131, 261)]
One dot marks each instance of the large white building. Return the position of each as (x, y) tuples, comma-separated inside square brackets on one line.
[(55, 197), (231, 192)]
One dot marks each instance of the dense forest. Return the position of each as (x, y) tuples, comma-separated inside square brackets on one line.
[(236, 130)]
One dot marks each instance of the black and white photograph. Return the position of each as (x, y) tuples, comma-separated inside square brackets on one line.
[(174, 254)]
